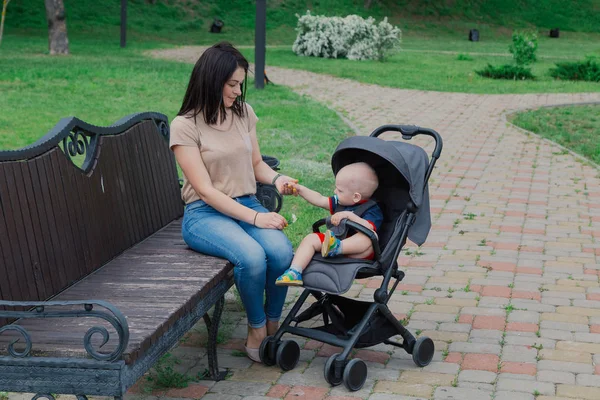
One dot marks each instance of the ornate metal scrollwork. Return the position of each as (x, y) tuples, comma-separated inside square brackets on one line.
[(11, 346), (163, 128), (76, 143), (38, 310), (79, 143)]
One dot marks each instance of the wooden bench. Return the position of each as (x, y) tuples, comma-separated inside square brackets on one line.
[(96, 283)]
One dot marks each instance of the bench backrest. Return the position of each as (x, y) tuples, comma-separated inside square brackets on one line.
[(80, 196)]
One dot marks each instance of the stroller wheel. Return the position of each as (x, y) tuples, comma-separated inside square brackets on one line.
[(329, 371), (355, 374), (423, 351), (288, 355), (267, 353)]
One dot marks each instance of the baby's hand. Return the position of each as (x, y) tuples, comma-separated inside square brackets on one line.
[(290, 188), (339, 216)]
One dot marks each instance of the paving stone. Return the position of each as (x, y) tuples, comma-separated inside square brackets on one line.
[(476, 385), (578, 347), (386, 396), (532, 305), (485, 336), (410, 389), (442, 367), (524, 316), (257, 373), (518, 354), (257, 398), (221, 396), (452, 393), (588, 380), (576, 368), (527, 386), (568, 356), (464, 347), (503, 395), (477, 376), (240, 388), (579, 392), (454, 327), (556, 377), (514, 339), (587, 337), (306, 393), (429, 378)]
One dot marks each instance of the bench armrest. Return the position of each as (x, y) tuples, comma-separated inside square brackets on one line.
[(107, 312)]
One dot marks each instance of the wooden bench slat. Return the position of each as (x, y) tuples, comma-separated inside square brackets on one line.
[(70, 244), (31, 225), (151, 176), (117, 204), (48, 239), (25, 288), (135, 168), (131, 229)]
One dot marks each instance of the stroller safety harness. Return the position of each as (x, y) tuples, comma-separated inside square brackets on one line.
[(403, 171)]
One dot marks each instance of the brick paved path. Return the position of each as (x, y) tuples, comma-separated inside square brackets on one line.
[(506, 285)]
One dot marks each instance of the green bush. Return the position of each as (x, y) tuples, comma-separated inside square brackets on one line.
[(507, 71), (588, 70), (464, 57), (523, 47)]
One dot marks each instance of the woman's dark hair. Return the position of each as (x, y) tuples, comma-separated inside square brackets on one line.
[(204, 93)]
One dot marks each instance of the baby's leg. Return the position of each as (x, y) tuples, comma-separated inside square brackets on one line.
[(306, 250), (357, 246)]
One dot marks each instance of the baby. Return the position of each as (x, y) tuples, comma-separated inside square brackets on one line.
[(354, 185)]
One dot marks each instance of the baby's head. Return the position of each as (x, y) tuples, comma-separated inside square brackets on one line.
[(355, 182)]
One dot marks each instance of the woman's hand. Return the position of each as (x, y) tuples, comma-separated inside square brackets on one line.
[(270, 220), (339, 216), (286, 185)]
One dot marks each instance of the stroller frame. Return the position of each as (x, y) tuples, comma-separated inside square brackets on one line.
[(338, 368)]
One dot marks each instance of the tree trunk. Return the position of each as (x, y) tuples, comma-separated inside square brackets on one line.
[(4, 5), (368, 4), (58, 43)]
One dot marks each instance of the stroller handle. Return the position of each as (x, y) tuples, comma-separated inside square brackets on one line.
[(408, 131)]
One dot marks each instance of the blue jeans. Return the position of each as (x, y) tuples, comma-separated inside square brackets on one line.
[(259, 255)]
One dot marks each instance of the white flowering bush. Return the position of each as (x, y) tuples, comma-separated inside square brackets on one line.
[(351, 37)]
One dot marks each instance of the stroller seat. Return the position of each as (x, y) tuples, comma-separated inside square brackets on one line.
[(336, 275), (403, 171)]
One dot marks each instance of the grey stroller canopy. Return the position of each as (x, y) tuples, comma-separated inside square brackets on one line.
[(401, 168)]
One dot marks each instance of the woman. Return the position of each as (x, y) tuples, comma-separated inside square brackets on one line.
[(214, 141)]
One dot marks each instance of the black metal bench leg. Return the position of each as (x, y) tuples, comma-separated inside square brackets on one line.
[(213, 329)]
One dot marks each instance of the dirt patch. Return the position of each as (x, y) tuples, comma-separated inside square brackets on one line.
[(186, 54)]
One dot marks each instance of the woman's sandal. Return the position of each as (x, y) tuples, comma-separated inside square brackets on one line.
[(253, 354)]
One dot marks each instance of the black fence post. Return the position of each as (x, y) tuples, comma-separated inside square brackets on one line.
[(260, 44), (123, 23)]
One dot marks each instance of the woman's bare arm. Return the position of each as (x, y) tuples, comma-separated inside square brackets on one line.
[(190, 161)]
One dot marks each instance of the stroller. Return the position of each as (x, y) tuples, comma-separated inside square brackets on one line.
[(403, 170)]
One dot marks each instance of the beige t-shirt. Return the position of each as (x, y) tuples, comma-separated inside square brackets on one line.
[(225, 149)]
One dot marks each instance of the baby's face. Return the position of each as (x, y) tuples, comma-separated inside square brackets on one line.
[(343, 192)]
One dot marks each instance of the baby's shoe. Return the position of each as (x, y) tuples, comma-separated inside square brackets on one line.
[(332, 246), (290, 277)]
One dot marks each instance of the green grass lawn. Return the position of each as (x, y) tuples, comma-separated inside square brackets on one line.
[(100, 84), (425, 67), (576, 128)]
